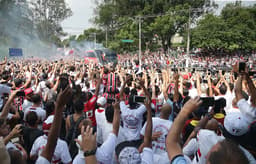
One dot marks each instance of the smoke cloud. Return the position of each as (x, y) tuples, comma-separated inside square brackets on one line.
[(18, 30)]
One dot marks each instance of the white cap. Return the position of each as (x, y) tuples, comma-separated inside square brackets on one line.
[(236, 124), (102, 101)]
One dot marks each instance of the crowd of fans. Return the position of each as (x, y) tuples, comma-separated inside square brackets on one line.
[(180, 110)]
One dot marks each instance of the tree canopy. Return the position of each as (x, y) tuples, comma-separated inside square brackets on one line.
[(120, 18), (233, 29), (29, 24)]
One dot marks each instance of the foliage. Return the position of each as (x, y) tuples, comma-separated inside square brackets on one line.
[(120, 19), (234, 29), (47, 16), (29, 24)]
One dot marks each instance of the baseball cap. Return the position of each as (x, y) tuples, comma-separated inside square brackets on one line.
[(47, 124), (236, 124), (102, 101)]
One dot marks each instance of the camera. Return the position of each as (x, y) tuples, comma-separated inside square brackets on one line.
[(242, 66), (207, 101), (139, 99)]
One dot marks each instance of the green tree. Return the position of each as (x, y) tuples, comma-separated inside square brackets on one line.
[(209, 33), (29, 24), (114, 16), (90, 34), (48, 15), (234, 29)]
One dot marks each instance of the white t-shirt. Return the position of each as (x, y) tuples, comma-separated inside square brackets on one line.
[(104, 153), (26, 104), (41, 113), (228, 97), (159, 125), (192, 92), (161, 158), (132, 121), (191, 148), (61, 153), (147, 156), (42, 160), (42, 87), (104, 128)]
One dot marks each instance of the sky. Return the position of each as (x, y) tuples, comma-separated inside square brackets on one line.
[(83, 12)]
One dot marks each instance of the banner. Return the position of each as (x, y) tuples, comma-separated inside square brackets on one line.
[(15, 52)]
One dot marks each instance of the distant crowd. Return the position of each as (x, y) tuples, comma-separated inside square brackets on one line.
[(164, 108)]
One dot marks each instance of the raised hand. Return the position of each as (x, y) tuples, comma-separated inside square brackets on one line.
[(191, 105), (88, 142), (16, 131), (116, 104), (64, 96), (147, 103)]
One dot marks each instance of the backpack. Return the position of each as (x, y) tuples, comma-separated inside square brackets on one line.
[(72, 134), (112, 80)]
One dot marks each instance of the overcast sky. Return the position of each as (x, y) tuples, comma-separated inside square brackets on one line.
[(83, 12)]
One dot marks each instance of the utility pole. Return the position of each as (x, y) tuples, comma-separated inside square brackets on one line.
[(106, 38), (188, 37), (95, 40), (140, 40)]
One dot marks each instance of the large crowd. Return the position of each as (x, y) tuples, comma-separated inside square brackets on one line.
[(167, 109)]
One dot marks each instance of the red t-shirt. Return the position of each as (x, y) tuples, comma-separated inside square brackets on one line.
[(89, 109)]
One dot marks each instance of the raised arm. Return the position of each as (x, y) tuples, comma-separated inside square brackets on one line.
[(4, 62), (62, 99), (128, 78), (29, 78), (226, 84), (55, 87), (153, 85), (176, 88), (88, 144), (173, 138), (238, 89), (7, 106), (145, 76), (144, 89), (148, 130), (210, 85), (198, 84), (98, 87), (252, 89), (201, 125), (116, 119)]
